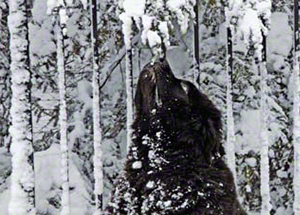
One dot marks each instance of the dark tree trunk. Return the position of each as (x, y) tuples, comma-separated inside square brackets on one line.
[(196, 46)]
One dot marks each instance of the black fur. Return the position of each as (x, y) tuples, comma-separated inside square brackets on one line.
[(175, 164)]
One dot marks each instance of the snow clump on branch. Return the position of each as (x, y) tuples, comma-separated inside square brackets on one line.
[(251, 19), (154, 19)]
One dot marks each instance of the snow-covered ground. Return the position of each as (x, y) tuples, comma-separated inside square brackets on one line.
[(48, 183)]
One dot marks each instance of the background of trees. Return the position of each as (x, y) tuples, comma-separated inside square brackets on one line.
[(79, 93)]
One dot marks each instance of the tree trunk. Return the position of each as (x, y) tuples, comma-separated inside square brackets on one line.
[(22, 180), (5, 91), (97, 132), (129, 92), (65, 201), (230, 142), (196, 46), (296, 106), (264, 138)]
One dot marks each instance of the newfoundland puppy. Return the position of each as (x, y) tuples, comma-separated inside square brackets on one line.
[(175, 164)]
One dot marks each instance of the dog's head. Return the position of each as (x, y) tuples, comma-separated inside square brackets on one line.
[(159, 89), (181, 107)]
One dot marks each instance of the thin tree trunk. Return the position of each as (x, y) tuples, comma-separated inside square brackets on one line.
[(5, 91), (97, 132), (22, 182), (196, 46), (65, 201), (127, 34), (264, 139), (129, 93), (230, 148), (296, 114)]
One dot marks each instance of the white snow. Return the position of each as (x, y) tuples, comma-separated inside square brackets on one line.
[(22, 177), (154, 42), (134, 8), (250, 126), (183, 15), (264, 140), (48, 184), (150, 184), (163, 28), (153, 23), (147, 23), (137, 165), (247, 19), (127, 28), (230, 142)]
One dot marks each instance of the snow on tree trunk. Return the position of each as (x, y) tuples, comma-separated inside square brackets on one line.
[(196, 45), (264, 138), (230, 149), (129, 93), (253, 24), (296, 107), (65, 199), (127, 32), (22, 200), (97, 132)]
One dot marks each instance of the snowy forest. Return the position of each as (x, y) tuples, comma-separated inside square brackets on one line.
[(68, 74)]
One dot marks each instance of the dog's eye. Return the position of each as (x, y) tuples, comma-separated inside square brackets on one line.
[(184, 87)]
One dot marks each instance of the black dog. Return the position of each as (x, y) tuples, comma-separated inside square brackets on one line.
[(175, 164)]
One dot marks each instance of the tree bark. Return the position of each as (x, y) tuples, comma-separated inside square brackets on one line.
[(97, 132), (22, 181)]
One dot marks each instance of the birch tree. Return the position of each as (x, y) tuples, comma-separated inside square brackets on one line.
[(296, 106), (97, 132), (22, 200)]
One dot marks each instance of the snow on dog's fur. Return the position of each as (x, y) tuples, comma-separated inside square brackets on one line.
[(175, 165)]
